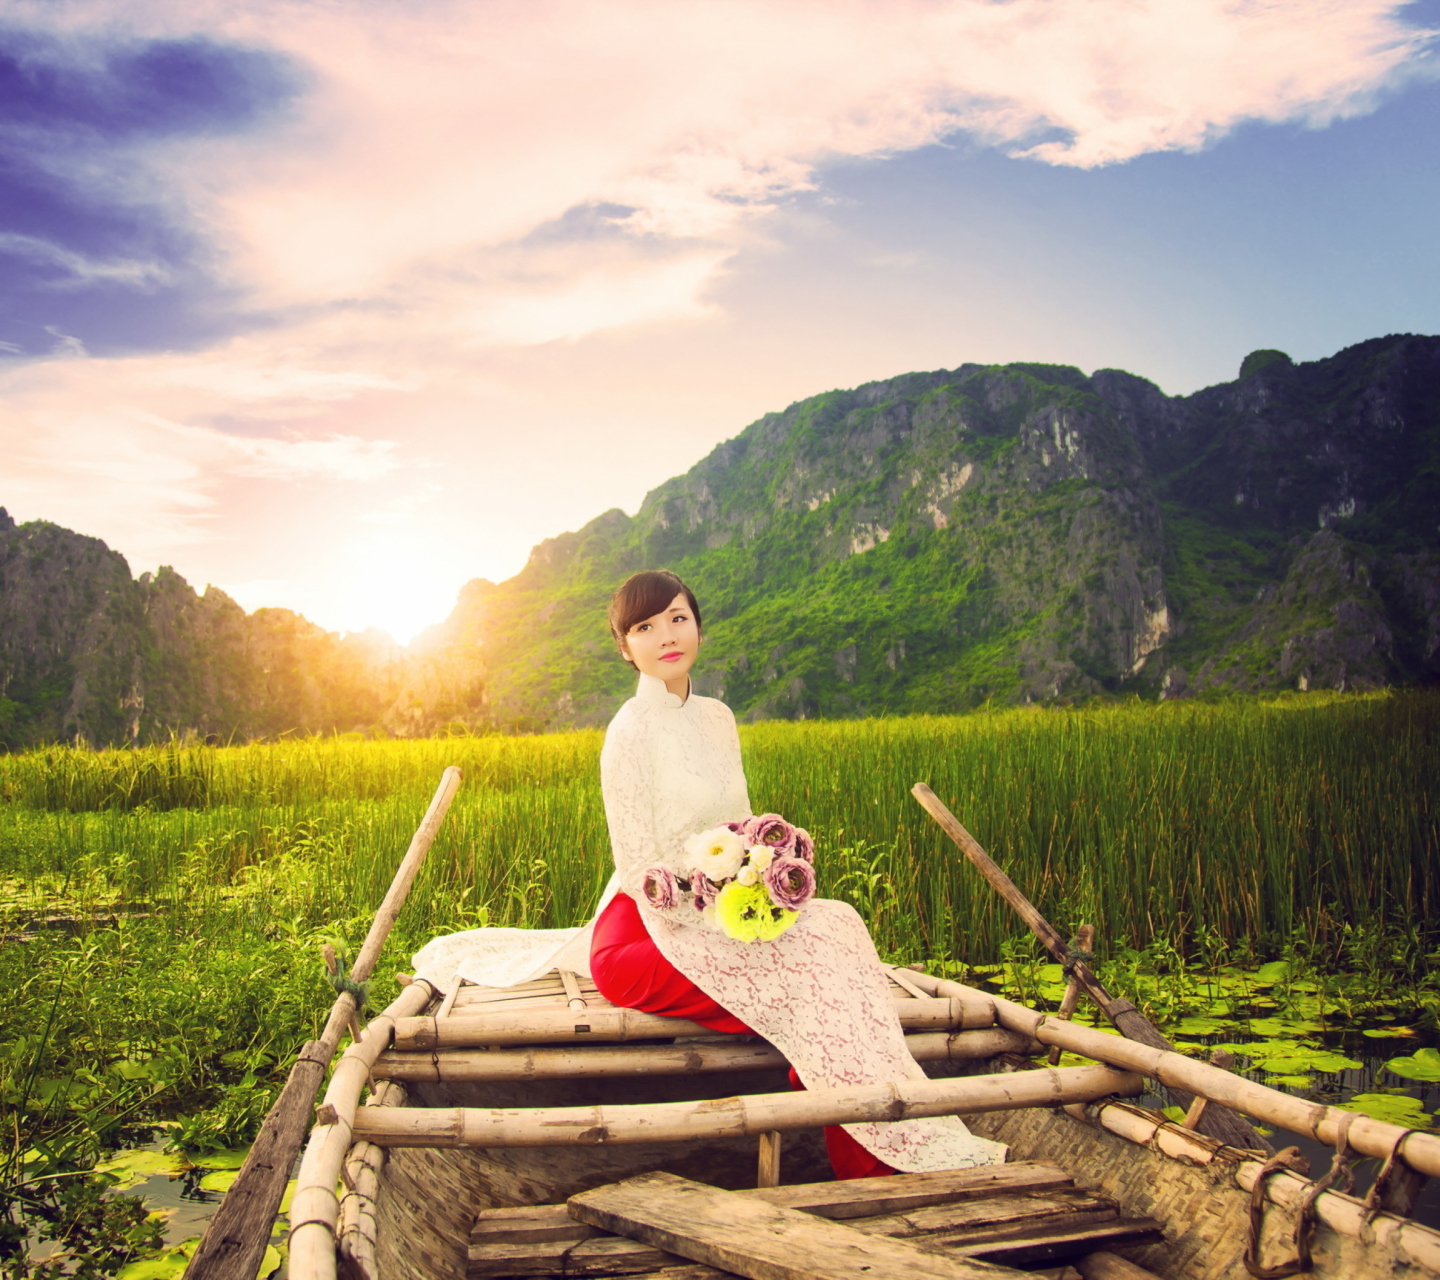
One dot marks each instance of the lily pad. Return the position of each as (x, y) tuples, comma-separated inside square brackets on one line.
[(1284, 1026), (1423, 1064), (133, 1167), (1269, 974), (1174, 1114), (1288, 1057), (1392, 1108), (1388, 1033), (169, 1265), (270, 1263), (1291, 1082), (220, 1159), (221, 1180), (1197, 1026)]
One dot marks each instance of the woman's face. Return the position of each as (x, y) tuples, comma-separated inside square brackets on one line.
[(666, 644)]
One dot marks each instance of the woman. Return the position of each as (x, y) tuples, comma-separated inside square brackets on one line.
[(671, 768)]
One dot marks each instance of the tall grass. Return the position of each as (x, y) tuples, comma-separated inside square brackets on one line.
[(1186, 820)]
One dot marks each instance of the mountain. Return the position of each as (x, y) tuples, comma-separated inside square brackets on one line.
[(923, 544), (1020, 532), (89, 654)]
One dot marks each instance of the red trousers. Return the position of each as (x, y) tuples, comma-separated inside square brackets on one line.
[(630, 971)]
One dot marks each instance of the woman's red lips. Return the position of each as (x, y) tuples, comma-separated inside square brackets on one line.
[(670, 657)]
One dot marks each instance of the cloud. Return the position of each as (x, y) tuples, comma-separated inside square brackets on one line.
[(80, 270), (428, 135)]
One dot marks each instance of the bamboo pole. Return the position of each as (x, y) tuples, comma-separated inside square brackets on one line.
[(356, 1238), (1085, 936), (235, 1239), (1132, 1024), (315, 1207), (1342, 1213), (471, 1065), (747, 1115), (1368, 1137), (542, 1026), (767, 1170)]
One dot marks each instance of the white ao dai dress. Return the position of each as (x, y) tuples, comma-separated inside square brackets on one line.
[(671, 768)]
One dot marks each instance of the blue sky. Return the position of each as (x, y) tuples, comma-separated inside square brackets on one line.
[(339, 306)]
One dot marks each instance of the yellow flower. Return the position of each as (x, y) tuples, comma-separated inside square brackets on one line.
[(745, 913)]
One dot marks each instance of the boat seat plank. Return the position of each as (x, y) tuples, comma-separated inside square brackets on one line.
[(756, 1240), (601, 1255), (1060, 1243), (906, 1194), (990, 1219)]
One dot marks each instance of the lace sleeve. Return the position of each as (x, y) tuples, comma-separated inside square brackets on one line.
[(732, 740), (628, 788)]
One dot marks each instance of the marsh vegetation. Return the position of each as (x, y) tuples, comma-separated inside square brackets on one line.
[(1262, 874)]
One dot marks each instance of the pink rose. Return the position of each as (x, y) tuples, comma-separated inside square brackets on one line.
[(704, 889), (659, 888), (790, 882), (804, 845), (772, 831)]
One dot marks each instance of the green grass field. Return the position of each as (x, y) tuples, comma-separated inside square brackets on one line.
[(1234, 820), (162, 909)]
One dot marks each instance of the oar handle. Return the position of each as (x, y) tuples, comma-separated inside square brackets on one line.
[(420, 844)]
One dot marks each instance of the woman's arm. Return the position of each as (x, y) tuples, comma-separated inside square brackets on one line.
[(627, 784)]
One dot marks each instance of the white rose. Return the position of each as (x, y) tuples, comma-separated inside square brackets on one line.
[(718, 853), (748, 874), (760, 858)]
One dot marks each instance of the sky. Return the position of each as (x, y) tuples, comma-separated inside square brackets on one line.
[(339, 304)]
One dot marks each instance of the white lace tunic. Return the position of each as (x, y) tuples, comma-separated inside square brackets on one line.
[(670, 768)]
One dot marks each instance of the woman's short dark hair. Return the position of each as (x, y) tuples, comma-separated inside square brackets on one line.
[(643, 595)]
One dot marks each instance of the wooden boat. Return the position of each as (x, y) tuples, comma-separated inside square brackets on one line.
[(490, 1109)]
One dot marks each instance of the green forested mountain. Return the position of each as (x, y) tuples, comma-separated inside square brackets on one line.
[(1019, 532), (89, 654)]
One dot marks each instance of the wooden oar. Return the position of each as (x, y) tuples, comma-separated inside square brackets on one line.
[(1217, 1121), (234, 1242)]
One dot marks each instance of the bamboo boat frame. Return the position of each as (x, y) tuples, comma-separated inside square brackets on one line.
[(557, 1032), (349, 1143)]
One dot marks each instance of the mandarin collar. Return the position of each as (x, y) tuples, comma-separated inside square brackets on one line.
[(652, 689)]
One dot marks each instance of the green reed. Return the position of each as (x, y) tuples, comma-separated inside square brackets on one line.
[(1242, 818)]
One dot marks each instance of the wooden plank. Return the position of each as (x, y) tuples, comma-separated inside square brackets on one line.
[(532, 1224), (602, 1255), (893, 1195), (756, 1240), (1061, 1243), (1000, 1217), (900, 1193)]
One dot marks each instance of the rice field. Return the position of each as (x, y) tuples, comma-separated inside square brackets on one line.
[(1187, 822), (162, 910)]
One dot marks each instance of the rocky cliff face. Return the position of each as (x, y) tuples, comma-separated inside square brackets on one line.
[(924, 543), (87, 653), (1022, 533)]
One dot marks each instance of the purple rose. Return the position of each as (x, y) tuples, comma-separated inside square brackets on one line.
[(804, 845), (772, 831), (704, 889), (659, 888), (790, 882)]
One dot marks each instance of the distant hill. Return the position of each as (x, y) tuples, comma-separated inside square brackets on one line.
[(89, 654), (1019, 533), (924, 544)]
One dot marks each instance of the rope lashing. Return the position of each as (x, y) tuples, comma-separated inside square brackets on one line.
[(1078, 955), (336, 973), (1305, 1212)]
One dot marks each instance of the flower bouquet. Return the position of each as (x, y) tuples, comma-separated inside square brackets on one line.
[(750, 879)]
